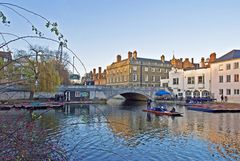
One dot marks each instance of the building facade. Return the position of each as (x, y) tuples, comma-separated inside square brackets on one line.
[(136, 71), (190, 82), (100, 77), (225, 77), (189, 79)]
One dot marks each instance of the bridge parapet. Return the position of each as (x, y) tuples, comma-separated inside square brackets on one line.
[(107, 92)]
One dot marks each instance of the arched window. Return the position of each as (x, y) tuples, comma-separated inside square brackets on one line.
[(188, 94), (205, 93), (196, 93)]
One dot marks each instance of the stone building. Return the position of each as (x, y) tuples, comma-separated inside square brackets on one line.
[(136, 71)]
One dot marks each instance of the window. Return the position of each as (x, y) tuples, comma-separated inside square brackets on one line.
[(191, 80), (200, 79), (153, 78), (175, 80), (134, 77), (146, 69), (228, 92), (228, 78), (146, 78), (180, 94), (153, 69), (236, 91), (236, 77), (165, 84), (236, 65), (220, 79), (77, 93), (134, 68), (220, 67), (228, 66), (220, 91)]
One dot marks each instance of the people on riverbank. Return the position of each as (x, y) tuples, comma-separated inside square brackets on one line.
[(222, 98), (226, 98)]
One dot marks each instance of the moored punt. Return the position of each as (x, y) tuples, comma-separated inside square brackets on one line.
[(33, 105), (159, 113), (216, 108), (5, 107)]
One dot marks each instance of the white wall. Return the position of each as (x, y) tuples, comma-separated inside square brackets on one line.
[(216, 85), (183, 85)]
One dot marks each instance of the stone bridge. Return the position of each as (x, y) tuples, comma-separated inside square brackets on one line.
[(76, 93)]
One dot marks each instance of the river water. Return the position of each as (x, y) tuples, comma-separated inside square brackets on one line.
[(122, 131)]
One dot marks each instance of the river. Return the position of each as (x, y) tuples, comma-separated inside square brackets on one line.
[(122, 131)]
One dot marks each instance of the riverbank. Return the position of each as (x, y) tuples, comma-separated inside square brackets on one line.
[(43, 104)]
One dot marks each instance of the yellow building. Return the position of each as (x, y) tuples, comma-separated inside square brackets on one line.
[(136, 71)]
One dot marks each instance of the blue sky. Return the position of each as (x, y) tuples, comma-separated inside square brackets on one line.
[(98, 30)]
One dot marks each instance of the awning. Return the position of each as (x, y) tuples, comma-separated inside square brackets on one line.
[(162, 93)]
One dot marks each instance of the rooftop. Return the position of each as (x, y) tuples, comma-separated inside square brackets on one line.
[(234, 54)]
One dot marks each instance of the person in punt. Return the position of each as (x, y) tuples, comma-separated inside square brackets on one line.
[(173, 110)]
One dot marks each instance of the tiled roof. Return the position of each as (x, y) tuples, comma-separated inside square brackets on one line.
[(234, 54), (153, 60)]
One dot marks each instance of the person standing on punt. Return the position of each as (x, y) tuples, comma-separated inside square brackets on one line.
[(149, 101)]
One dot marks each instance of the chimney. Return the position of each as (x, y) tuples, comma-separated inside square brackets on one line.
[(212, 57), (129, 54), (181, 59), (163, 58), (135, 54), (104, 73), (94, 70), (202, 64), (192, 61), (118, 58), (99, 72)]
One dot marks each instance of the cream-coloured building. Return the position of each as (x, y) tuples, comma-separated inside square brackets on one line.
[(189, 79), (136, 71), (225, 76), (190, 82)]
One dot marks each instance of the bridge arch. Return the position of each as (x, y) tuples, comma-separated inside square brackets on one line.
[(132, 96)]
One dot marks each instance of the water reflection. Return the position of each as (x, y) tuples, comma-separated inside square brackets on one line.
[(122, 131), (218, 132)]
